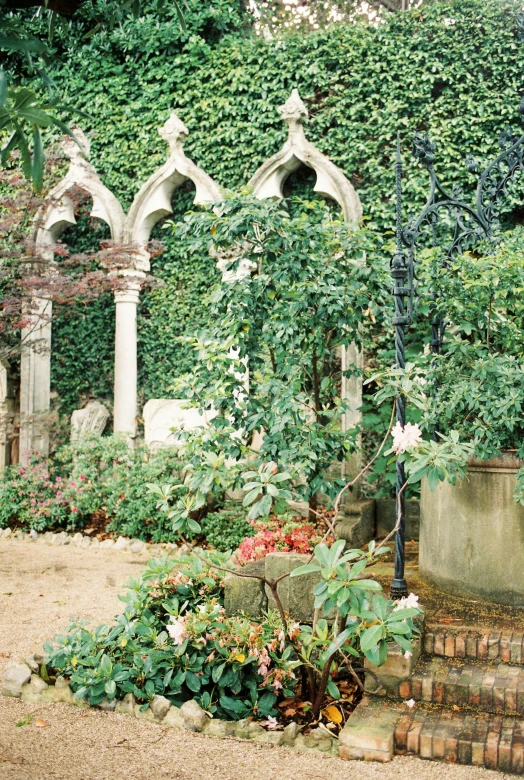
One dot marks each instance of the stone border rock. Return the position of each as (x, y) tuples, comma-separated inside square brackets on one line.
[(121, 544), (23, 680)]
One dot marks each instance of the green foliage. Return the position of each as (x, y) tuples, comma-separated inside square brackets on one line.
[(295, 291), (479, 379), (226, 528), (364, 623), (92, 475), (174, 639), (453, 69)]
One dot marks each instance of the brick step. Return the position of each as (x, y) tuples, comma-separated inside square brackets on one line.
[(483, 644), (380, 728), (481, 685)]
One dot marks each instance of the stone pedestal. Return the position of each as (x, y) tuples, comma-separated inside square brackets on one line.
[(296, 594), (356, 522), (472, 534)]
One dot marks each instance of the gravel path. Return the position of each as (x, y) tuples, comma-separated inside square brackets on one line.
[(42, 587)]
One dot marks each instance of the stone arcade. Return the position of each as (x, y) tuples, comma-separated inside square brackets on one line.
[(151, 204)]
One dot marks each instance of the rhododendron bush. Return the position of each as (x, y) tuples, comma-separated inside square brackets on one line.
[(174, 639)]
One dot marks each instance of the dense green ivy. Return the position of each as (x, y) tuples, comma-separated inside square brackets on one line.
[(453, 68)]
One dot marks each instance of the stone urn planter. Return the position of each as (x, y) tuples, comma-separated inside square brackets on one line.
[(472, 533)]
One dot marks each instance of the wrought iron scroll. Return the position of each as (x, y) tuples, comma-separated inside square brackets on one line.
[(455, 226)]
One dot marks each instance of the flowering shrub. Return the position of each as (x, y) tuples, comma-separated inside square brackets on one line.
[(174, 639), (37, 496), (96, 473), (273, 535)]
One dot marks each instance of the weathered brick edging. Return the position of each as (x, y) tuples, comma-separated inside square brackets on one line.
[(506, 646)]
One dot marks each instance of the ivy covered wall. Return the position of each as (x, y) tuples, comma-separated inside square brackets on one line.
[(453, 68)]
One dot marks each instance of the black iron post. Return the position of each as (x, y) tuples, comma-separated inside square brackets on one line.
[(399, 271)]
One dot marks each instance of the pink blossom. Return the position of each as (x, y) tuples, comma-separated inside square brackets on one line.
[(271, 722), (407, 602), (177, 631), (83, 479), (405, 438), (74, 510)]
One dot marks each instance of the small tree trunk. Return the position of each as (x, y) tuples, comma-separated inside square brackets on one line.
[(313, 508)]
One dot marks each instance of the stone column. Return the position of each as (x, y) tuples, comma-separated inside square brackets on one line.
[(35, 381), (125, 398), (352, 357), (6, 414)]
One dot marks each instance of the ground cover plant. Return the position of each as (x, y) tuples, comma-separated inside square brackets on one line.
[(173, 639)]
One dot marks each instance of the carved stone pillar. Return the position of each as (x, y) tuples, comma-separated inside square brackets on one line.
[(6, 414), (35, 381), (126, 372)]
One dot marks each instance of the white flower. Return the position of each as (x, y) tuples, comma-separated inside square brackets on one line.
[(407, 602), (404, 438), (410, 703), (271, 723), (177, 631), (407, 654)]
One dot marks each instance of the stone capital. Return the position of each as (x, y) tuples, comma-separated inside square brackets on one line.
[(131, 284)]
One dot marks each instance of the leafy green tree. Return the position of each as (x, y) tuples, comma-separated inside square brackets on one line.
[(295, 290)]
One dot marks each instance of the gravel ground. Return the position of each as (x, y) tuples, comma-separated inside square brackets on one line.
[(42, 587)]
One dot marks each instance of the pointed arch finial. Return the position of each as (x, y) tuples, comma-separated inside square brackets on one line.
[(269, 179), (294, 112), (174, 132)]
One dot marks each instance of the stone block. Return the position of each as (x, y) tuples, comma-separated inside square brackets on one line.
[(28, 695), (136, 546), (161, 415), (220, 728), (464, 535), (16, 675), (146, 715), (107, 543), (385, 517), (121, 543), (174, 719), (62, 692), (295, 593), (366, 742), (91, 420), (127, 705), (193, 714), (107, 706), (290, 734), (356, 523), (242, 594), (37, 684), (318, 740), (160, 706), (396, 668)]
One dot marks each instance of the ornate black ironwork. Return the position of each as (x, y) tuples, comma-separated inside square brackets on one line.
[(454, 226)]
